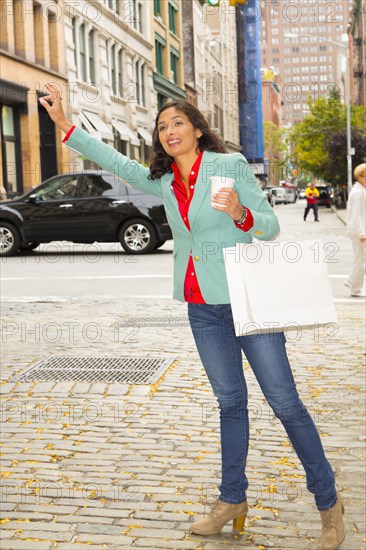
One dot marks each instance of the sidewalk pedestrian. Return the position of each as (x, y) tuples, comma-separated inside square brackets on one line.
[(356, 230), (185, 153), (311, 195)]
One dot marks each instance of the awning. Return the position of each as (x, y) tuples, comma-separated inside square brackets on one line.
[(95, 125), (145, 134), (125, 133)]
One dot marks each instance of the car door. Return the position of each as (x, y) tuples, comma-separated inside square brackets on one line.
[(102, 205), (51, 216)]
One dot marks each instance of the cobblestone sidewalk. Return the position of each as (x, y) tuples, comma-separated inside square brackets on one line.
[(109, 466)]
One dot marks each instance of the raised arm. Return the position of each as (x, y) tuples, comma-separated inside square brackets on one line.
[(106, 156)]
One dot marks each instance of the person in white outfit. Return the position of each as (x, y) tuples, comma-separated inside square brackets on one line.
[(356, 230)]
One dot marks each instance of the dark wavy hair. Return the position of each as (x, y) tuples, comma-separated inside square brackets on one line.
[(160, 161)]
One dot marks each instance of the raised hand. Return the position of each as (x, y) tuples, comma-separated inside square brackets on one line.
[(55, 110)]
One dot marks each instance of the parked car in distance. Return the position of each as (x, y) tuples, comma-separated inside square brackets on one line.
[(302, 194), (83, 207), (279, 195), (270, 197), (325, 195), (291, 194)]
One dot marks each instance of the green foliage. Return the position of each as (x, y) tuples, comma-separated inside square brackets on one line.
[(312, 139), (274, 149), (336, 146)]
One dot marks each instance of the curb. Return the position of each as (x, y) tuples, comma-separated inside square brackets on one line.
[(338, 215)]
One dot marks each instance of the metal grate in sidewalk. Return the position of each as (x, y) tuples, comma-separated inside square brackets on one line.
[(126, 369)]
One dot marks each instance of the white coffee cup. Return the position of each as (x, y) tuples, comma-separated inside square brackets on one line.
[(219, 181)]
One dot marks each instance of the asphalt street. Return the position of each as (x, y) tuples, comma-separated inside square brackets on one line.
[(111, 465), (67, 270)]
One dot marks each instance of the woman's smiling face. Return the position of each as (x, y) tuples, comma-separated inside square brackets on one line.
[(176, 133)]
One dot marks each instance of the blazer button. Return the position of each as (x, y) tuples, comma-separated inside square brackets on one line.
[(196, 258)]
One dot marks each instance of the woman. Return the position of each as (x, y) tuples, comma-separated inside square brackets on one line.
[(185, 154)]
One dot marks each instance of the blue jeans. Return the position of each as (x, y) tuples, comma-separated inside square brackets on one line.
[(220, 353)]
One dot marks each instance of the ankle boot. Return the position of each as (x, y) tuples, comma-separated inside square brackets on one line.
[(333, 531), (221, 513)]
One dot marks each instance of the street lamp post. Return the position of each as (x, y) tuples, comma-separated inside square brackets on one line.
[(348, 100)]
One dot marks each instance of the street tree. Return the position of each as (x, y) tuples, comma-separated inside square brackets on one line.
[(322, 129), (275, 148), (335, 145)]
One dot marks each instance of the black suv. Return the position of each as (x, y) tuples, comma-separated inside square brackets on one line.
[(83, 207), (325, 195)]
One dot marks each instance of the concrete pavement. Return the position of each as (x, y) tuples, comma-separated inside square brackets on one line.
[(341, 214), (109, 466)]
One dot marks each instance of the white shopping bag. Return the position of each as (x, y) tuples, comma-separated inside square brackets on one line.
[(277, 286)]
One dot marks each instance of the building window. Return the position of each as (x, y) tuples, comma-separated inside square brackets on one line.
[(172, 18), (218, 119), (120, 72), (137, 15), (161, 100), (19, 27), (159, 54), (120, 144), (38, 33), (82, 53), (84, 47), (174, 59), (142, 81), (52, 40), (138, 82), (157, 8), (113, 70), (114, 5), (322, 48), (73, 23), (91, 57)]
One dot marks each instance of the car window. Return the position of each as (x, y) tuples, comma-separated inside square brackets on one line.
[(118, 184), (92, 186), (58, 189)]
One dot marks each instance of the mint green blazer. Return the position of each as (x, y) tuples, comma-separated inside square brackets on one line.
[(211, 230)]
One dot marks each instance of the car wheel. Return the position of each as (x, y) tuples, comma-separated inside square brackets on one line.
[(9, 239), (137, 237), (159, 244), (29, 246)]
